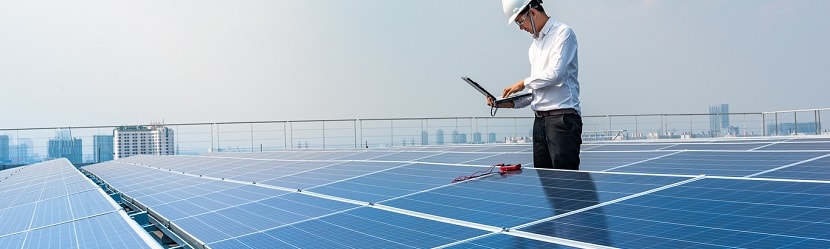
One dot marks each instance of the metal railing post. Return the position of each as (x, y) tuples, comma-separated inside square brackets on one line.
[(291, 133), (795, 120), (354, 128), (776, 124), (252, 137), (815, 120)]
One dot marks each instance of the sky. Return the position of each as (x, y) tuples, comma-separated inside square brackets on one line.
[(91, 62)]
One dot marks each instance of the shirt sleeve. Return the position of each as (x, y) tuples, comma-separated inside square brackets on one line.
[(561, 54)]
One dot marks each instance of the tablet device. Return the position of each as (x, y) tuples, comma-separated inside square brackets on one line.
[(496, 101)]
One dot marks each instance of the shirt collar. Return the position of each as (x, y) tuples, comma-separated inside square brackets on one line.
[(547, 28)]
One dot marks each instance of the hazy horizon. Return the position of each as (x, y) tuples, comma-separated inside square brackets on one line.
[(86, 63)]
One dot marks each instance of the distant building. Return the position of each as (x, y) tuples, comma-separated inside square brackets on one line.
[(718, 119), (66, 147), (102, 148), (424, 138), (4, 149), (793, 129), (143, 140), (439, 137), (491, 137), (19, 154), (459, 137), (477, 138)]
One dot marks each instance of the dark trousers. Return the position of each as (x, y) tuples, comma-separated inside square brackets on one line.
[(556, 141)]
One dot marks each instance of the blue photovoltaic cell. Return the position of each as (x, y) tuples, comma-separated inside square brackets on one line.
[(627, 147), (330, 174), (599, 161), (221, 224), (396, 182), (330, 155), (748, 140), (818, 169), (107, 231), (59, 236), (52, 211), (707, 213), (498, 241), (718, 163), (359, 228), (713, 146), (798, 145), (405, 156), (363, 155), (525, 159), (212, 227), (16, 219), (12, 241), (465, 148), (281, 169), (455, 157), (508, 148), (512, 200)]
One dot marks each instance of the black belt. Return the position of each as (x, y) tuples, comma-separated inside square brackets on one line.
[(540, 114)]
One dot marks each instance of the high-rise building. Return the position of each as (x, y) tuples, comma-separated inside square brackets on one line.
[(439, 137), (19, 154), (70, 148), (719, 120), (4, 149), (424, 138), (143, 140), (477, 138), (102, 148), (491, 137), (459, 137)]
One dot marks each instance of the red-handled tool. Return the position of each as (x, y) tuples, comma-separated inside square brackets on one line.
[(503, 169)]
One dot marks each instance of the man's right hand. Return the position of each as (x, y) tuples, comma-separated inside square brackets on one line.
[(518, 87)]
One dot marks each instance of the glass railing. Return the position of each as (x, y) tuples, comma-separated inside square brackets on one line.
[(30, 145)]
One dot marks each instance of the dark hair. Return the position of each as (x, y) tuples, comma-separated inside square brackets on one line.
[(536, 4)]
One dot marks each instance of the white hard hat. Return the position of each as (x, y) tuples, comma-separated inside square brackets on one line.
[(512, 8)]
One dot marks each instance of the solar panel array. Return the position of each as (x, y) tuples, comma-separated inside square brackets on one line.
[(53, 205), (718, 193)]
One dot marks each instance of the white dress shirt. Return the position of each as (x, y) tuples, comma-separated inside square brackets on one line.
[(553, 70)]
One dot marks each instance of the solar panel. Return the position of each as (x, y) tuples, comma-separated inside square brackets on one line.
[(799, 145), (601, 160), (358, 228), (395, 182), (818, 169), (719, 163), (707, 213), (52, 205), (524, 158), (505, 241), (627, 147), (658, 195), (715, 146), (507, 201)]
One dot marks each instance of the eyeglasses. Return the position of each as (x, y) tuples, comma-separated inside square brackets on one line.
[(520, 21)]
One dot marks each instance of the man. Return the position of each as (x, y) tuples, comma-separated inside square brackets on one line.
[(557, 128)]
